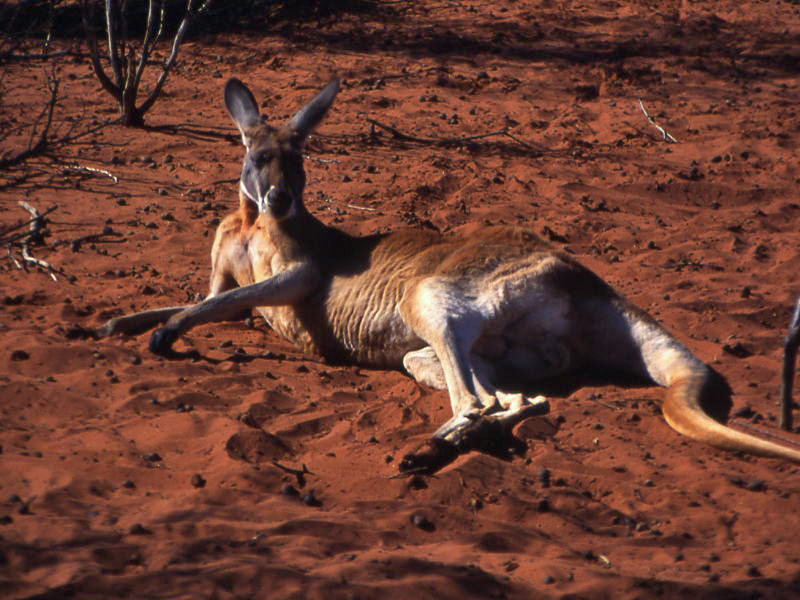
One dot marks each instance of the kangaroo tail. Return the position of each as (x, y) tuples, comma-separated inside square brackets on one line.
[(697, 399), (684, 412)]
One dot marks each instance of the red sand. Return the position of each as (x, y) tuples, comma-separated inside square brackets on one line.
[(704, 234)]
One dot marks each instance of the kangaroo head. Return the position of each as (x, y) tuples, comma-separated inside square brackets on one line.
[(272, 172)]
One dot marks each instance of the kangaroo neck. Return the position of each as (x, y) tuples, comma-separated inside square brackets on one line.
[(301, 236)]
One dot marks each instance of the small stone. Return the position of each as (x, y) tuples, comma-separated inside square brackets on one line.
[(756, 485), (544, 477), (152, 457), (543, 505), (310, 499), (19, 355), (738, 350), (139, 529), (135, 359), (288, 489), (422, 522), (198, 480), (753, 571), (128, 484)]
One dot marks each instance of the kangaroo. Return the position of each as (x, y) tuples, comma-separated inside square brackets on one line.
[(466, 315)]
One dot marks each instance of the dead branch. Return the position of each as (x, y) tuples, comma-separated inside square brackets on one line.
[(76, 167), (399, 135), (667, 137), (22, 241), (42, 138), (300, 475), (125, 63), (5, 231), (75, 245)]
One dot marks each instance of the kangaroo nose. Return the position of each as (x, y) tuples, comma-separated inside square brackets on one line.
[(278, 201)]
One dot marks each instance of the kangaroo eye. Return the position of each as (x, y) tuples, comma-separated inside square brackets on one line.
[(263, 158)]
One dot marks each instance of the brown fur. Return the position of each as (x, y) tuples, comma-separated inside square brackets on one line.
[(456, 313)]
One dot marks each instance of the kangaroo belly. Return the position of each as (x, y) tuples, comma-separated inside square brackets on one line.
[(345, 332)]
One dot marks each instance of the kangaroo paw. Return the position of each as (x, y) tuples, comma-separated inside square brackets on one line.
[(161, 341), (433, 455)]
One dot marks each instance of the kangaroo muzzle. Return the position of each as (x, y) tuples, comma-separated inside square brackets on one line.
[(278, 201)]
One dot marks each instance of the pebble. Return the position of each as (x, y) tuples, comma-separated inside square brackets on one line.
[(753, 571), (153, 457), (139, 529), (310, 499), (544, 477), (128, 484), (198, 480), (422, 522), (288, 489)]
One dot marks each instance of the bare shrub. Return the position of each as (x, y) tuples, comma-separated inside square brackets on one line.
[(127, 59)]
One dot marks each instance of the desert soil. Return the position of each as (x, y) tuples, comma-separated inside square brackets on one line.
[(125, 475)]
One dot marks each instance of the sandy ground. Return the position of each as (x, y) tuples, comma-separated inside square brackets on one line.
[(124, 475)]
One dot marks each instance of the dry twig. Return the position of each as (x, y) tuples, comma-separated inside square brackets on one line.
[(300, 475), (399, 135), (76, 167), (664, 133), (126, 68), (22, 241)]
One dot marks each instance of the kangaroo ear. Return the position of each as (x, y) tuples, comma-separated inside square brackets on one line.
[(241, 106), (308, 117)]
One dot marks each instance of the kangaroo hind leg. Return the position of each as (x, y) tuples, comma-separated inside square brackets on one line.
[(482, 417)]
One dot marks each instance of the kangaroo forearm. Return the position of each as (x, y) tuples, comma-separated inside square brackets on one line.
[(138, 322), (286, 287)]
